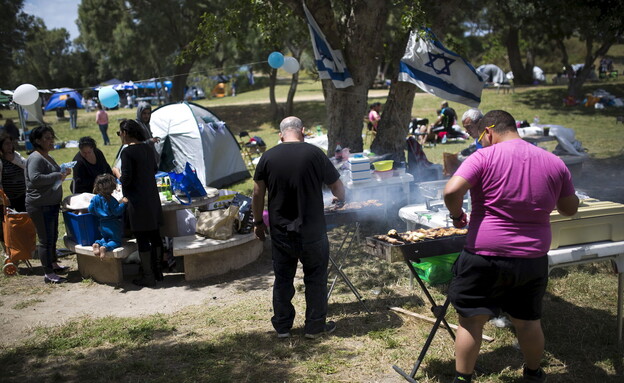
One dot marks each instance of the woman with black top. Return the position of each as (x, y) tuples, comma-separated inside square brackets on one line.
[(139, 187), (90, 163), (12, 178)]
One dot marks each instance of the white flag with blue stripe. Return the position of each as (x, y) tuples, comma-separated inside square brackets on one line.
[(329, 62), (438, 71)]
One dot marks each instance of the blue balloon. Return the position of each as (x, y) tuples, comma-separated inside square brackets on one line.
[(276, 60), (108, 97)]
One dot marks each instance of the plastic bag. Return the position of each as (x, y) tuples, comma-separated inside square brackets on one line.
[(436, 270), (187, 184)]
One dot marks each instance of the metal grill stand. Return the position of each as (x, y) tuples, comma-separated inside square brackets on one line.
[(438, 311), (342, 252)]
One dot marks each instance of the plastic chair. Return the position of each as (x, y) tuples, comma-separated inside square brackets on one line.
[(245, 150)]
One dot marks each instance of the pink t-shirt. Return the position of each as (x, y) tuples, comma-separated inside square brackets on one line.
[(101, 118), (515, 187), (374, 117)]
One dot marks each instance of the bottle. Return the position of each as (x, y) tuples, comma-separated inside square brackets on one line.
[(318, 130)]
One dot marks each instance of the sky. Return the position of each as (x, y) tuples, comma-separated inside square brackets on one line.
[(55, 13)]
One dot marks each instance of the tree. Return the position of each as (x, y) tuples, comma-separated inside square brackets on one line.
[(13, 27), (598, 23), (142, 37), (270, 26)]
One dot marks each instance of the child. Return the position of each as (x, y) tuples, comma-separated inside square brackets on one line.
[(109, 211)]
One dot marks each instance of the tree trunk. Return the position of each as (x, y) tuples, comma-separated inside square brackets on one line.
[(345, 111), (277, 113), (179, 80), (575, 87), (392, 128), (522, 74)]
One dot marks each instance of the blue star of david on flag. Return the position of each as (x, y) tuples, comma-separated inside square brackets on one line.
[(447, 63)]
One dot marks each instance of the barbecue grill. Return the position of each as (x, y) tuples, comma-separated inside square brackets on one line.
[(418, 252), (338, 216)]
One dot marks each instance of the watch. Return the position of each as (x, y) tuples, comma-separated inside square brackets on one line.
[(456, 218), (258, 223)]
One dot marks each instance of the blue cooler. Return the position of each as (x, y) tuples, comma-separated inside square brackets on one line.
[(81, 228)]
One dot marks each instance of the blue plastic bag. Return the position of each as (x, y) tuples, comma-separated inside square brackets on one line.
[(187, 184)]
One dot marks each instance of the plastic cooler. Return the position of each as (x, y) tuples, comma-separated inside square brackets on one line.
[(595, 221), (81, 228)]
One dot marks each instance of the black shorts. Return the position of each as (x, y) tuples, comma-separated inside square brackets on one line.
[(486, 285)]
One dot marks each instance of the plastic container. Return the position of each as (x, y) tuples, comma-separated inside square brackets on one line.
[(382, 166), (81, 228), (382, 175), (595, 221)]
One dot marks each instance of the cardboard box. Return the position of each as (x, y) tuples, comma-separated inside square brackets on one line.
[(595, 221), (81, 228)]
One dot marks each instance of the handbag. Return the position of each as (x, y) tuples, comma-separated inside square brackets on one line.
[(187, 184), (217, 224)]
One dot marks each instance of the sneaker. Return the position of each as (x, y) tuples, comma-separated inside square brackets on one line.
[(283, 335), (539, 377), (329, 328)]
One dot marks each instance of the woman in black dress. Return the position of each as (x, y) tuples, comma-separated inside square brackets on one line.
[(90, 163), (138, 168), (12, 177)]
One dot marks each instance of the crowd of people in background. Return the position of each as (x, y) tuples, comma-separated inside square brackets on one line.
[(34, 185)]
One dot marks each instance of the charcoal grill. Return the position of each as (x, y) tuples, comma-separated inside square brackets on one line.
[(417, 252)]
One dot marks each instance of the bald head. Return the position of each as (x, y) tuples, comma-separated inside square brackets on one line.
[(291, 129)]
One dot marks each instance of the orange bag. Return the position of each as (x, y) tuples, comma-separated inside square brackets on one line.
[(19, 233)]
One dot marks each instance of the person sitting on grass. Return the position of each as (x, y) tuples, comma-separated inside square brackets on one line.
[(108, 211)]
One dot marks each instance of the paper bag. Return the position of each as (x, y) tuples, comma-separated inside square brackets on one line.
[(217, 224)]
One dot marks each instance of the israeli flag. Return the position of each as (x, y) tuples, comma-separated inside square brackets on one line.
[(438, 71), (329, 62)]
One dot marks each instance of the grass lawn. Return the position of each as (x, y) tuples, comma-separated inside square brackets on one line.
[(234, 342)]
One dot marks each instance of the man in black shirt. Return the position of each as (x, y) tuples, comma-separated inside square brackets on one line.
[(293, 173)]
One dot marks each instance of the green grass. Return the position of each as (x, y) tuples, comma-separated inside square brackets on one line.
[(234, 342)]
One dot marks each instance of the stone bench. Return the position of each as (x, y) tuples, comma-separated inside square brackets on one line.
[(103, 270), (205, 257)]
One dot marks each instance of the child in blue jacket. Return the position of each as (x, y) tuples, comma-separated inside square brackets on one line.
[(109, 213)]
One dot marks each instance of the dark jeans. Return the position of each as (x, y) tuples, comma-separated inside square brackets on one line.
[(46, 220), (103, 130), (288, 249)]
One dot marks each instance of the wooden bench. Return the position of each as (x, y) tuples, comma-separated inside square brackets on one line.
[(205, 257), (102, 270)]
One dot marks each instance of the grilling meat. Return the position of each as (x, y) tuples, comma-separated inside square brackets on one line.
[(419, 235)]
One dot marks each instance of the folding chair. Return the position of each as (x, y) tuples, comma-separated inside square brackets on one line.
[(245, 150)]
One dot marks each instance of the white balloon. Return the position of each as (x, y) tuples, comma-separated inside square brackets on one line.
[(291, 65), (26, 94)]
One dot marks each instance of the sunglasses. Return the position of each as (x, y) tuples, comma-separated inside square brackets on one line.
[(484, 131)]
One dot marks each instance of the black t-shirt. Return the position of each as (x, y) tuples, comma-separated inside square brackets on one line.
[(71, 103), (449, 118), (84, 173), (294, 174)]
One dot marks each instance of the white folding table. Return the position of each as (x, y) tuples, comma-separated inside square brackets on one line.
[(593, 252)]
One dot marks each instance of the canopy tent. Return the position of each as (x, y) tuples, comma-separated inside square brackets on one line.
[(153, 84), (190, 132), (112, 81), (31, 113), (57, 100), (492, 74)]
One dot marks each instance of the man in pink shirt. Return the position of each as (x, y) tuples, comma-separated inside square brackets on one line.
[(514, 186)]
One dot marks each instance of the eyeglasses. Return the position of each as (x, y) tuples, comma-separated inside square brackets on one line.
[(484, 131)]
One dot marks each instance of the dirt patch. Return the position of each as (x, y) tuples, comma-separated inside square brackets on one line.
[(25, 302)]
